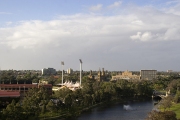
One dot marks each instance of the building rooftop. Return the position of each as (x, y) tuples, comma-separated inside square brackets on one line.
[(9, 94)]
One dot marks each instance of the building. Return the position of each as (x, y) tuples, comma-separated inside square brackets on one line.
[(9, 94), (91, 76), (169, 71), (126, 75), (101, 75), (48, 71), (15, 90), (69, 71), (148, 74)]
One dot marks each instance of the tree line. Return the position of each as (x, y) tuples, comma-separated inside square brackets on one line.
[(38, 103)]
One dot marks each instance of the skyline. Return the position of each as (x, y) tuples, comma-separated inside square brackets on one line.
[(115, 35)]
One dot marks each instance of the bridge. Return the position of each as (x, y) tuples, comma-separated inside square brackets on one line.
[(161, 95)]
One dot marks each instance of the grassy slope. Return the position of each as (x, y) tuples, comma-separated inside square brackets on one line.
[(176, 109)]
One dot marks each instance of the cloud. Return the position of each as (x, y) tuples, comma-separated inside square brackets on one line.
[(5, 13), (96, 8), (146, 36), (172, 7), (115, 4), (97, 39), (87, 27), (172, 33)]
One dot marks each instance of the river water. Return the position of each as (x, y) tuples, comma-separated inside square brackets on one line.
[(138, 111)]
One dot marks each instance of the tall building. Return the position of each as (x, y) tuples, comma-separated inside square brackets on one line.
[(148, 74), (69, 71), (49, 71)]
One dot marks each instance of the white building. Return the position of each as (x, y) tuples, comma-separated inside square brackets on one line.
[(69, 71)]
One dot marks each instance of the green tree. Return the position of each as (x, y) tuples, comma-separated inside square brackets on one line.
[(177, 97), (156, 115), (166, 102), (51, 106), (34, 101), (13, 112)]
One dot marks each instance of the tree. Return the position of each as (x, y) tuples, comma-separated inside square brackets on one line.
[(177, 97), (51, 106), (166, 102), (13, 112), (156, 115), (34, 99), (68, 100)]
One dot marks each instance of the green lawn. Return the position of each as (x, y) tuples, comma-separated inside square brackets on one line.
[(176, 109)]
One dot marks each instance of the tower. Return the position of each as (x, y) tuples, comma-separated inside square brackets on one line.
[(80, 71), (62, 64)]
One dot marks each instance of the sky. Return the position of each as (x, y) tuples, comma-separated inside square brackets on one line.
[(114, 35)]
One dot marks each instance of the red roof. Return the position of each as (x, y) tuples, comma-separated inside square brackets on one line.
[(24, 85), (15, 85), (9, 93)]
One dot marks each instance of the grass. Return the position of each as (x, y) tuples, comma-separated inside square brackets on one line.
[(176, 109)]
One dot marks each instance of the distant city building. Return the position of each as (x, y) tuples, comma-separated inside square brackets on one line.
[(148, 74), (69, 71), (91, 76), (49, 71), (126, 75), (101, 75), (169, 71)]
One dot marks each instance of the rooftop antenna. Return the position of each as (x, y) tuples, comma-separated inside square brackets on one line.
[(80, 70), (62, 64)]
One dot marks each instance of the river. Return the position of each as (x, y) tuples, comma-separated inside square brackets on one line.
[(138, 111)]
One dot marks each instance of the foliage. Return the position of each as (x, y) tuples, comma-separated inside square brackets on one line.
[(156, 115), (177, 97), (35, 100), (176, 109), (51, 106), (69, 102), (166, 102), (12, 77), (13, 112)]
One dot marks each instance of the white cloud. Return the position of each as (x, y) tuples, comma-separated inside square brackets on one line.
[(115, 4), (137, 22), (93, 38), (5, 13), (146, 36), (172, 33), (173, 7), (96, 7), (8, 23), (138, 26)]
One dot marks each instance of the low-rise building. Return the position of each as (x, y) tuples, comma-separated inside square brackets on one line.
[(11, 90), (126, 75)]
